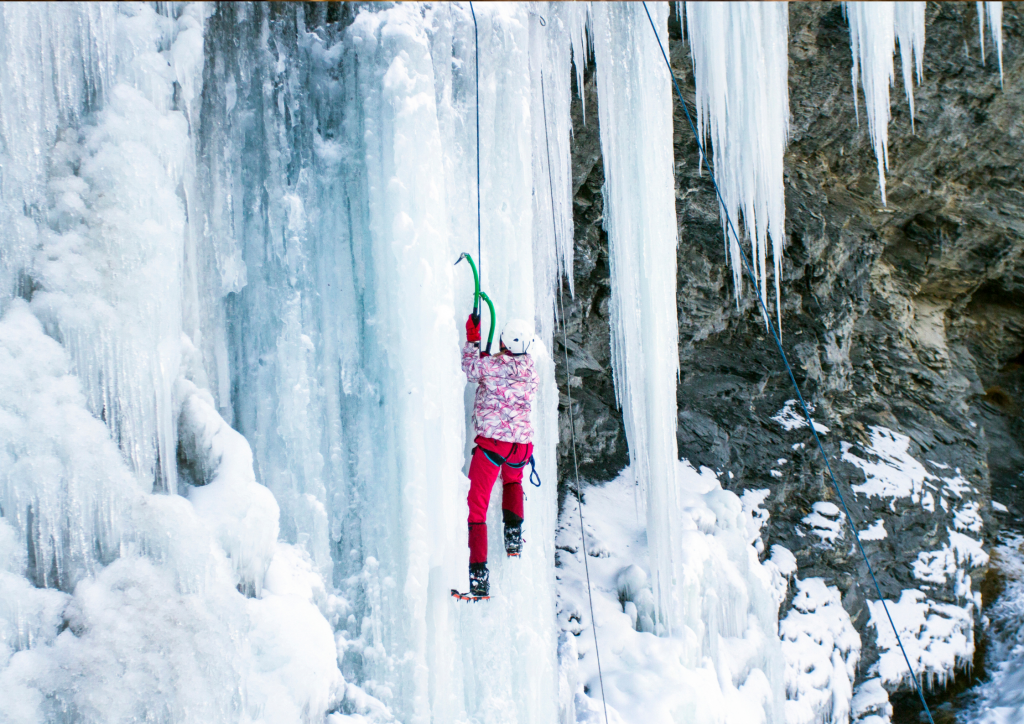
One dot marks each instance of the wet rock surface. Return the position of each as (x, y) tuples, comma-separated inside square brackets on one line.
[(908, 317)]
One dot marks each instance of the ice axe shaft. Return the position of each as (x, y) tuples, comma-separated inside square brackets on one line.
[(477, 296)]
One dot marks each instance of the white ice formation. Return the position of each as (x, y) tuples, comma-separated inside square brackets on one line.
[(740, 56), (1000, 699), (875, 28)]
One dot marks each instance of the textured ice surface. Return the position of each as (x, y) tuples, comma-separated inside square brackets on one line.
[(151, 624), (741, 70), (241, 256)]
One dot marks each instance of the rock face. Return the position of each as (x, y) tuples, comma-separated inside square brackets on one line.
[(904, 324)]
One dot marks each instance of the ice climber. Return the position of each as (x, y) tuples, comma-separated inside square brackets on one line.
[(506, 383)]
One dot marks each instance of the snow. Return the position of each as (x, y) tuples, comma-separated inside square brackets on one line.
[(633, 83), (999, 507), (741, 71), (938, 637), (875, 531), (791, 417), (896, 473), (822, 649), (825, 521), (875, 28), (725, 664), (870, 703)]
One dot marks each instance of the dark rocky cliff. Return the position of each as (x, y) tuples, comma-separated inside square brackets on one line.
[(909, 317)]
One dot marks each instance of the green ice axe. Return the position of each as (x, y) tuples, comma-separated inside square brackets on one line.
[(477, 296)]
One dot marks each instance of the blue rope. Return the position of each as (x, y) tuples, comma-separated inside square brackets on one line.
[(476, 46), (789, 369)]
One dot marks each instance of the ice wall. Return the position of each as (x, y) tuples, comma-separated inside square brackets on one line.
[(741, 71), (351, 311)]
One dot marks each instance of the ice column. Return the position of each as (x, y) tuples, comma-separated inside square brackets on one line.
[(995, 24), (874, 29), (635, 111), (741, 65)]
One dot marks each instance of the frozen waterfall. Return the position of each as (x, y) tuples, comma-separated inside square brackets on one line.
[(233, 425)]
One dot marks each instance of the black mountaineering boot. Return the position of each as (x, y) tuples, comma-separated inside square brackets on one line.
[(513, 534), (479, 587)]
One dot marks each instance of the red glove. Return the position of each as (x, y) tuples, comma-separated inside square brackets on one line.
[(472, 329)]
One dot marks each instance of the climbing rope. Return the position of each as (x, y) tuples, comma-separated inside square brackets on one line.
[(568, 391), (476, 66), (789, 369)]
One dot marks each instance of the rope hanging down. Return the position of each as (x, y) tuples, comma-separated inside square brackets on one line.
[(476, 67), (789, 369), (568, 390)]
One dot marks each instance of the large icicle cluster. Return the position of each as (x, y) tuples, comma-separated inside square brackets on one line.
[(740, 66), (875, 28)]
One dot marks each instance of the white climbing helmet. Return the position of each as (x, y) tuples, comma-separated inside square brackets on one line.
[(517, 336)]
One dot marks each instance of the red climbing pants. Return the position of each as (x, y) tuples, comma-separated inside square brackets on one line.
[(483, 470)]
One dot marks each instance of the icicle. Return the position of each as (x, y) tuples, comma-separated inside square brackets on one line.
[(909, 20), (741, 66), (995, 23), (874, 29), (577, 16)]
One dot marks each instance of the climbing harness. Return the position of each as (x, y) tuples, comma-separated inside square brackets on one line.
[(789, 369), (477, 296), (497, 460), (572, 424)]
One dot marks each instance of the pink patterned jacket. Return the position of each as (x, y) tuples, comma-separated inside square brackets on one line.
[(506, 384)]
